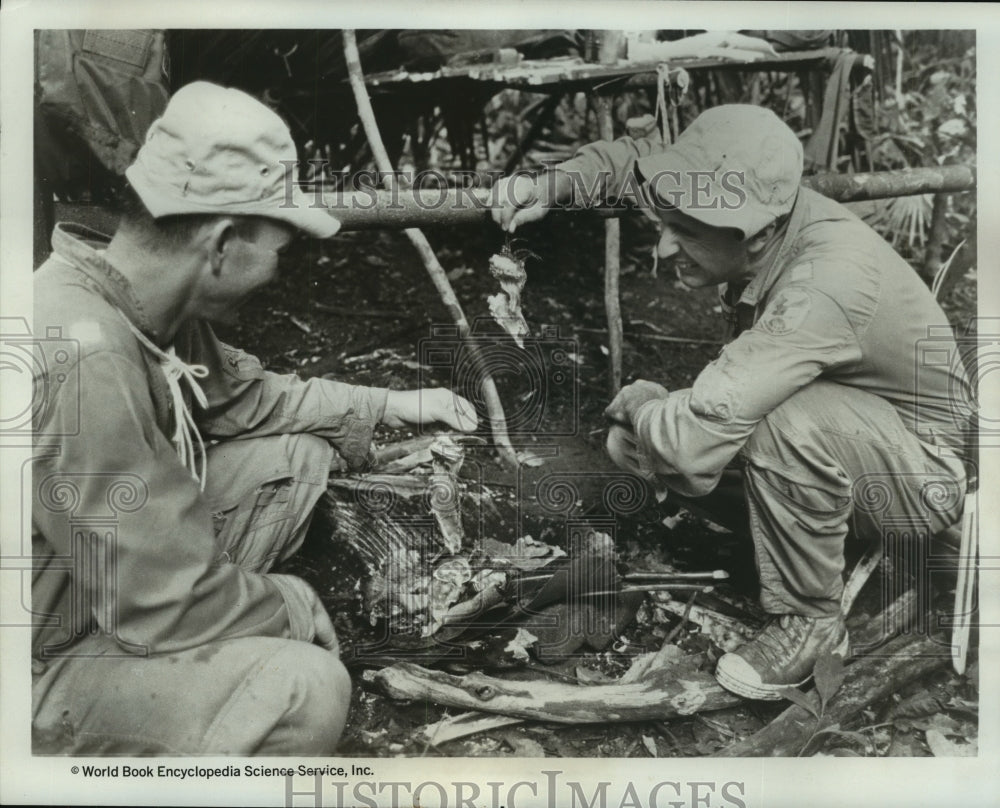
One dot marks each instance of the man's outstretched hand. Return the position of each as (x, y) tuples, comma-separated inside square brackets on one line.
[(429, 406)]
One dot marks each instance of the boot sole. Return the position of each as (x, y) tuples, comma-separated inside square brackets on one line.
[(765, 692)]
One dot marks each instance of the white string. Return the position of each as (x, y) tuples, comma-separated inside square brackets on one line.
[(662, 87), (175, 370)]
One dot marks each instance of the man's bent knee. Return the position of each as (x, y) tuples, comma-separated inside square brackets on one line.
[(327, 698), (309, 457), (795, 419), (263, 492), (318, 692), (293, 700)]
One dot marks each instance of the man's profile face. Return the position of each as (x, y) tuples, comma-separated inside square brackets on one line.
[(702, 255), (250, 262)]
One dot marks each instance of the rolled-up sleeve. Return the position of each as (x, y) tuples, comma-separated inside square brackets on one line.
[(690, 436)]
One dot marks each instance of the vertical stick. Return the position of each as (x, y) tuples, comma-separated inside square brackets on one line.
[(612, 262), (491, 397), (935, 238), (967, 559)]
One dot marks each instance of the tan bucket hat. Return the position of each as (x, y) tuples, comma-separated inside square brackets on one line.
[(736, 165), (218, 150)]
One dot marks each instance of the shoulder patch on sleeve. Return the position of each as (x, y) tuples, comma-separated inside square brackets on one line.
[(786, 312), (241, 365), (803, 272), (86, 332)]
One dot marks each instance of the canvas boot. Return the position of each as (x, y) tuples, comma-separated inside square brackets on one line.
[(782, 655)]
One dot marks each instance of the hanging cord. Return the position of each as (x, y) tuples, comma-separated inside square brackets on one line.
[(671, 85), (662, 90), (186, 431), (663, 120)]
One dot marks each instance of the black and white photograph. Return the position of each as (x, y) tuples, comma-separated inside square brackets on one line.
[(498, 415)]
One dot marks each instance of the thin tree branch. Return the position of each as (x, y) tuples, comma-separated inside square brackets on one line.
[(491, 397)]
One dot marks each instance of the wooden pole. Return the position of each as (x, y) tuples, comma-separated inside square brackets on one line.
[(491, 397), (399, 208), (612, 263), (935, 238)]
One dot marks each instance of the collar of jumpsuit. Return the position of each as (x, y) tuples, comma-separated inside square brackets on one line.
[(82, 249), (764, 270)]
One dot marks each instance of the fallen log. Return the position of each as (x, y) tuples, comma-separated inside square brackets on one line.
[(660, 694), (665, 686), (867, 681)]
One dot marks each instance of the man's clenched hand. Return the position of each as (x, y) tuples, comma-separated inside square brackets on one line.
[(623, 408), (325, 635), (623, 449), (522, 199), (429, 406), (307, 615)]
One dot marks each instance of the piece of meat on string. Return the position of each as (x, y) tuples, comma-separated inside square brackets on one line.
[(507, 266)]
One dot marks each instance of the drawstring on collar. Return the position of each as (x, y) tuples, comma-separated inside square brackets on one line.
[(186, 431), (174, 370)]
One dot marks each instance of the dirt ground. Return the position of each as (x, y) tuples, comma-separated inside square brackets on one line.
[(362, 308)]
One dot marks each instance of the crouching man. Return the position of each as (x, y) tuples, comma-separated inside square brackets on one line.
[(172, 472), (818, 408)]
